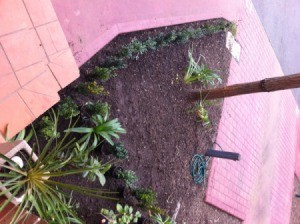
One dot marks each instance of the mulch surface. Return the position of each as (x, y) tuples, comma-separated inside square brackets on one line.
[(150, 100)]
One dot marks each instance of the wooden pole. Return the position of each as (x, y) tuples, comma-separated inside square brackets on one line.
[(265, 85)]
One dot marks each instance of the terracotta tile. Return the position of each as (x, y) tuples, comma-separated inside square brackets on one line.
[(15, 113), (41, 11), (64, 67), (52, 37), (8, 85), (5, 67), (1, 141), (23, 48), (13, 16), (45, 84), (29, 73), (38, 103)]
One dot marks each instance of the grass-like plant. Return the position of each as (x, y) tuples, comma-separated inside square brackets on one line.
[(68, 108), (103, 127), (201, 73), (40, 192), (129, 177), (91, 88)]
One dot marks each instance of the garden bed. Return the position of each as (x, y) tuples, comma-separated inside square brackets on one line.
[(149, 98)]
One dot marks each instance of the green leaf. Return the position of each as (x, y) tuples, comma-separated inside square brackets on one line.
[(119, 208)]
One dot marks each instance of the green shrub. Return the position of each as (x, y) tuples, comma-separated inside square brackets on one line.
[(115, 63), (183, 36), (119, 151), (146, 197), (102, 73), (151, 44), (137, 48), (170, 37), (129, 177), (47, 128), (160, 40), (91, 88), (97, 108), (68, 108)]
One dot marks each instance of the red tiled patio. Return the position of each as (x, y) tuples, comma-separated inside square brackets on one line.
[(261, 127)]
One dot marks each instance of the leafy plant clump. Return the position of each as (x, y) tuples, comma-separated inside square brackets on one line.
[(103, 73), (201, 73), (124, 215), (102, 128), (68, 108), (91, 88), (129, 177), (97, 108), (47, 128)]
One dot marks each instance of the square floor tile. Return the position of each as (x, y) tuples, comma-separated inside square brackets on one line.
[(23, 48), (38, 103), (64, 67), (8, 85), (45, 84), (15, 113), (13, 16), (5, 67), (53, 37), (41, 11), (27, 74)]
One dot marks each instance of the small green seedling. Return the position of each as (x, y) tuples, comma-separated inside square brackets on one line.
[(124, 215), (158, 219), (47, 128)]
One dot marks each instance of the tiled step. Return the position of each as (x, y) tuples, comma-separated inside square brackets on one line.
[(35, 62)]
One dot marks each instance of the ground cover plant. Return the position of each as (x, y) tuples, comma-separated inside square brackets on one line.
[(139, 79)]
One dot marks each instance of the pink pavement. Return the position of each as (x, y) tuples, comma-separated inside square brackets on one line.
[(261, 127)]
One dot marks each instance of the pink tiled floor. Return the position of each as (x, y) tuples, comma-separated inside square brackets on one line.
[(35, 61), (262, 128)]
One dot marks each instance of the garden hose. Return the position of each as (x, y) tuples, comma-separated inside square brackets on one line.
[(198, 168)]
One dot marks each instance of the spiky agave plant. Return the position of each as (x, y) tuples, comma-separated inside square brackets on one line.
[(40, 192), (104, 128)]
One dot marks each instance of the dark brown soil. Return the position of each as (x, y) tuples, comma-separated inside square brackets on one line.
[(149, 98)]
